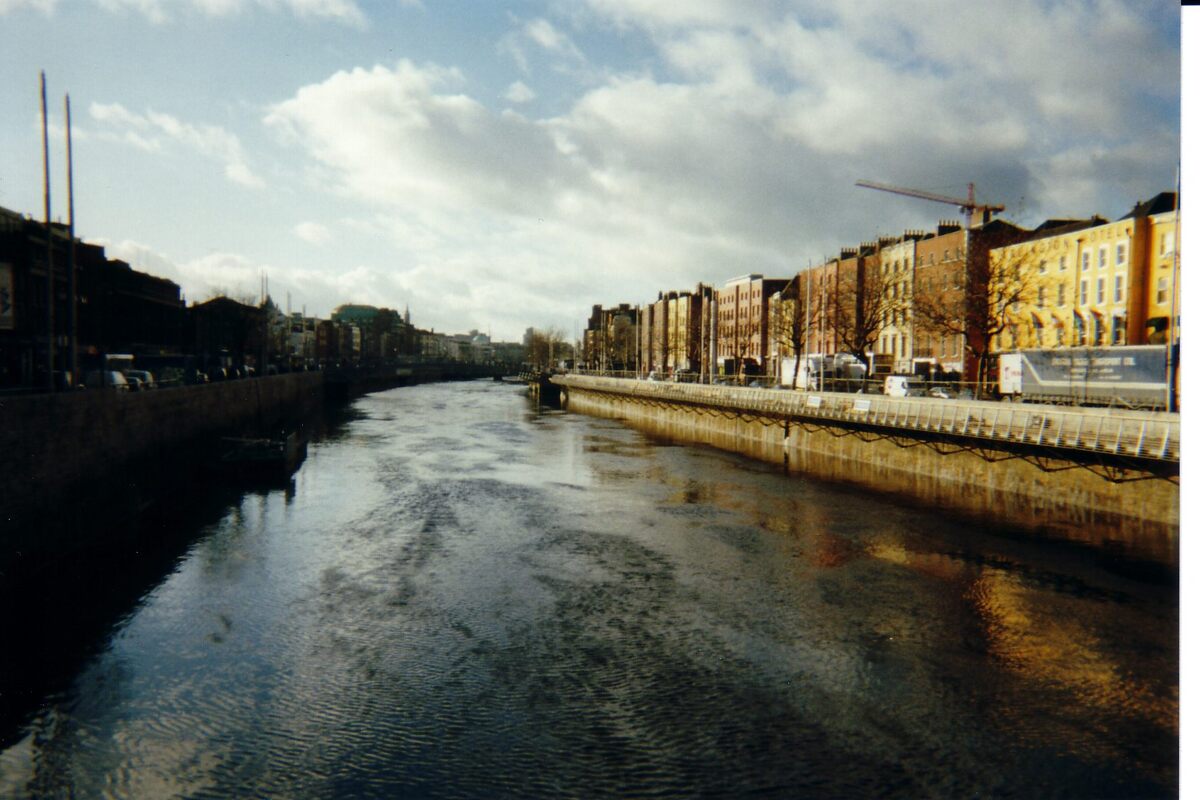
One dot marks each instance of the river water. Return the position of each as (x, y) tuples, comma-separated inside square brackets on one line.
[(459, 596)]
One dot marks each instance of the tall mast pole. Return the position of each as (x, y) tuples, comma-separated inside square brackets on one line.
[(824, 292), (1171, 330), (49, 243), (807, 325), (72, 288)]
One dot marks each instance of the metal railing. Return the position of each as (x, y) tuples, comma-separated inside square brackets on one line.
[(1142, 434)]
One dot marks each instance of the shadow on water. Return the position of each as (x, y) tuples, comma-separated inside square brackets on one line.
[(73, 572)]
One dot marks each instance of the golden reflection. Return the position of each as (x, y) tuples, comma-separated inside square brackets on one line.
[(934, 565), (1038, 637)]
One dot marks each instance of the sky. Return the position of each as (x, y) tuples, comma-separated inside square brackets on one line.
[(501, 165)]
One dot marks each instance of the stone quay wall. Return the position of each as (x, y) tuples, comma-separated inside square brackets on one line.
[(1071, 502), (52, 443)]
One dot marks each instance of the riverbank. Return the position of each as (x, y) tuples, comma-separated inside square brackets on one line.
[(1043, 495)]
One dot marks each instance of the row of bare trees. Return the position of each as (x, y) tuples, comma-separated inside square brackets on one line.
[(545, 346), (853, 306)]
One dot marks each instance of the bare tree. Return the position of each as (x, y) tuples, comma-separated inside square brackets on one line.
[(544, 346), (864, 306), (622, 341), (982, 302), (791, 324)]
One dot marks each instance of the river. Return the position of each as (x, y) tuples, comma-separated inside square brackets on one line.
[(461, 596)]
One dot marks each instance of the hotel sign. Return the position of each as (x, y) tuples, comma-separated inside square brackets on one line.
[(8, 315)]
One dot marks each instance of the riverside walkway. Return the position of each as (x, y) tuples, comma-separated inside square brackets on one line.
[(1117, 438)]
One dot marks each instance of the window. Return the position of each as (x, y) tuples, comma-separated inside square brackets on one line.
[(1083, 293), (1101, 258), (1099, 291), (1119, 289), (1161, 296), (1085, 262), (1042, 266), (1041, 301), (1118, 330), (1122, 254), (1166, 243), (945, 257), (1062, 294), (1062, 263)]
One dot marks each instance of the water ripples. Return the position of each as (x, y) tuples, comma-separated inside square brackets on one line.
[(464, 600)]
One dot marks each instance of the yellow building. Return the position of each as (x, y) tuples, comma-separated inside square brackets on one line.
[(897, 262), (1091, 282), (1161, 257)]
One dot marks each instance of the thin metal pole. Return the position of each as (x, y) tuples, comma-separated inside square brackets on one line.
[(807, 327), (824, 311), (712, 334), (1172, 400), (72, 288), (49, 243)]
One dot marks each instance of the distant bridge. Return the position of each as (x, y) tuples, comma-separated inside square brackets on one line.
[(347, 382)]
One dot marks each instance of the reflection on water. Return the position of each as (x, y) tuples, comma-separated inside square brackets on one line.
[(459, 597)]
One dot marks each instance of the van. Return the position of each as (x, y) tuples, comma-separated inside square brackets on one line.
[(897, 386), (106, 379)]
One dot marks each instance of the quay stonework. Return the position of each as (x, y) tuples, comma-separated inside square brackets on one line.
[(1115, 483)]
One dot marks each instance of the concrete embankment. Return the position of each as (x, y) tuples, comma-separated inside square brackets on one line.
[(1048, 495), (54, 445)]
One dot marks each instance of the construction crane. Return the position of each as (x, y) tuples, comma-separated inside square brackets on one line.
[(978, 213)]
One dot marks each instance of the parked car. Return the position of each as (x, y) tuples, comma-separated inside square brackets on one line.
[(145, 376), (900, 386), (106, 379), (941, 392)]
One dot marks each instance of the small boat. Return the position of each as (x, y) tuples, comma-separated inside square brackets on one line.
[(276, 457)]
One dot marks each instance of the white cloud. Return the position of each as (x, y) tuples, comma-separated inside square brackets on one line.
[(152, 130), (656, 15), (313, 232), (519, 93), (394, 136), (744, 160), (735, 151), (157, 11), (234, 275), (547, 36)]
